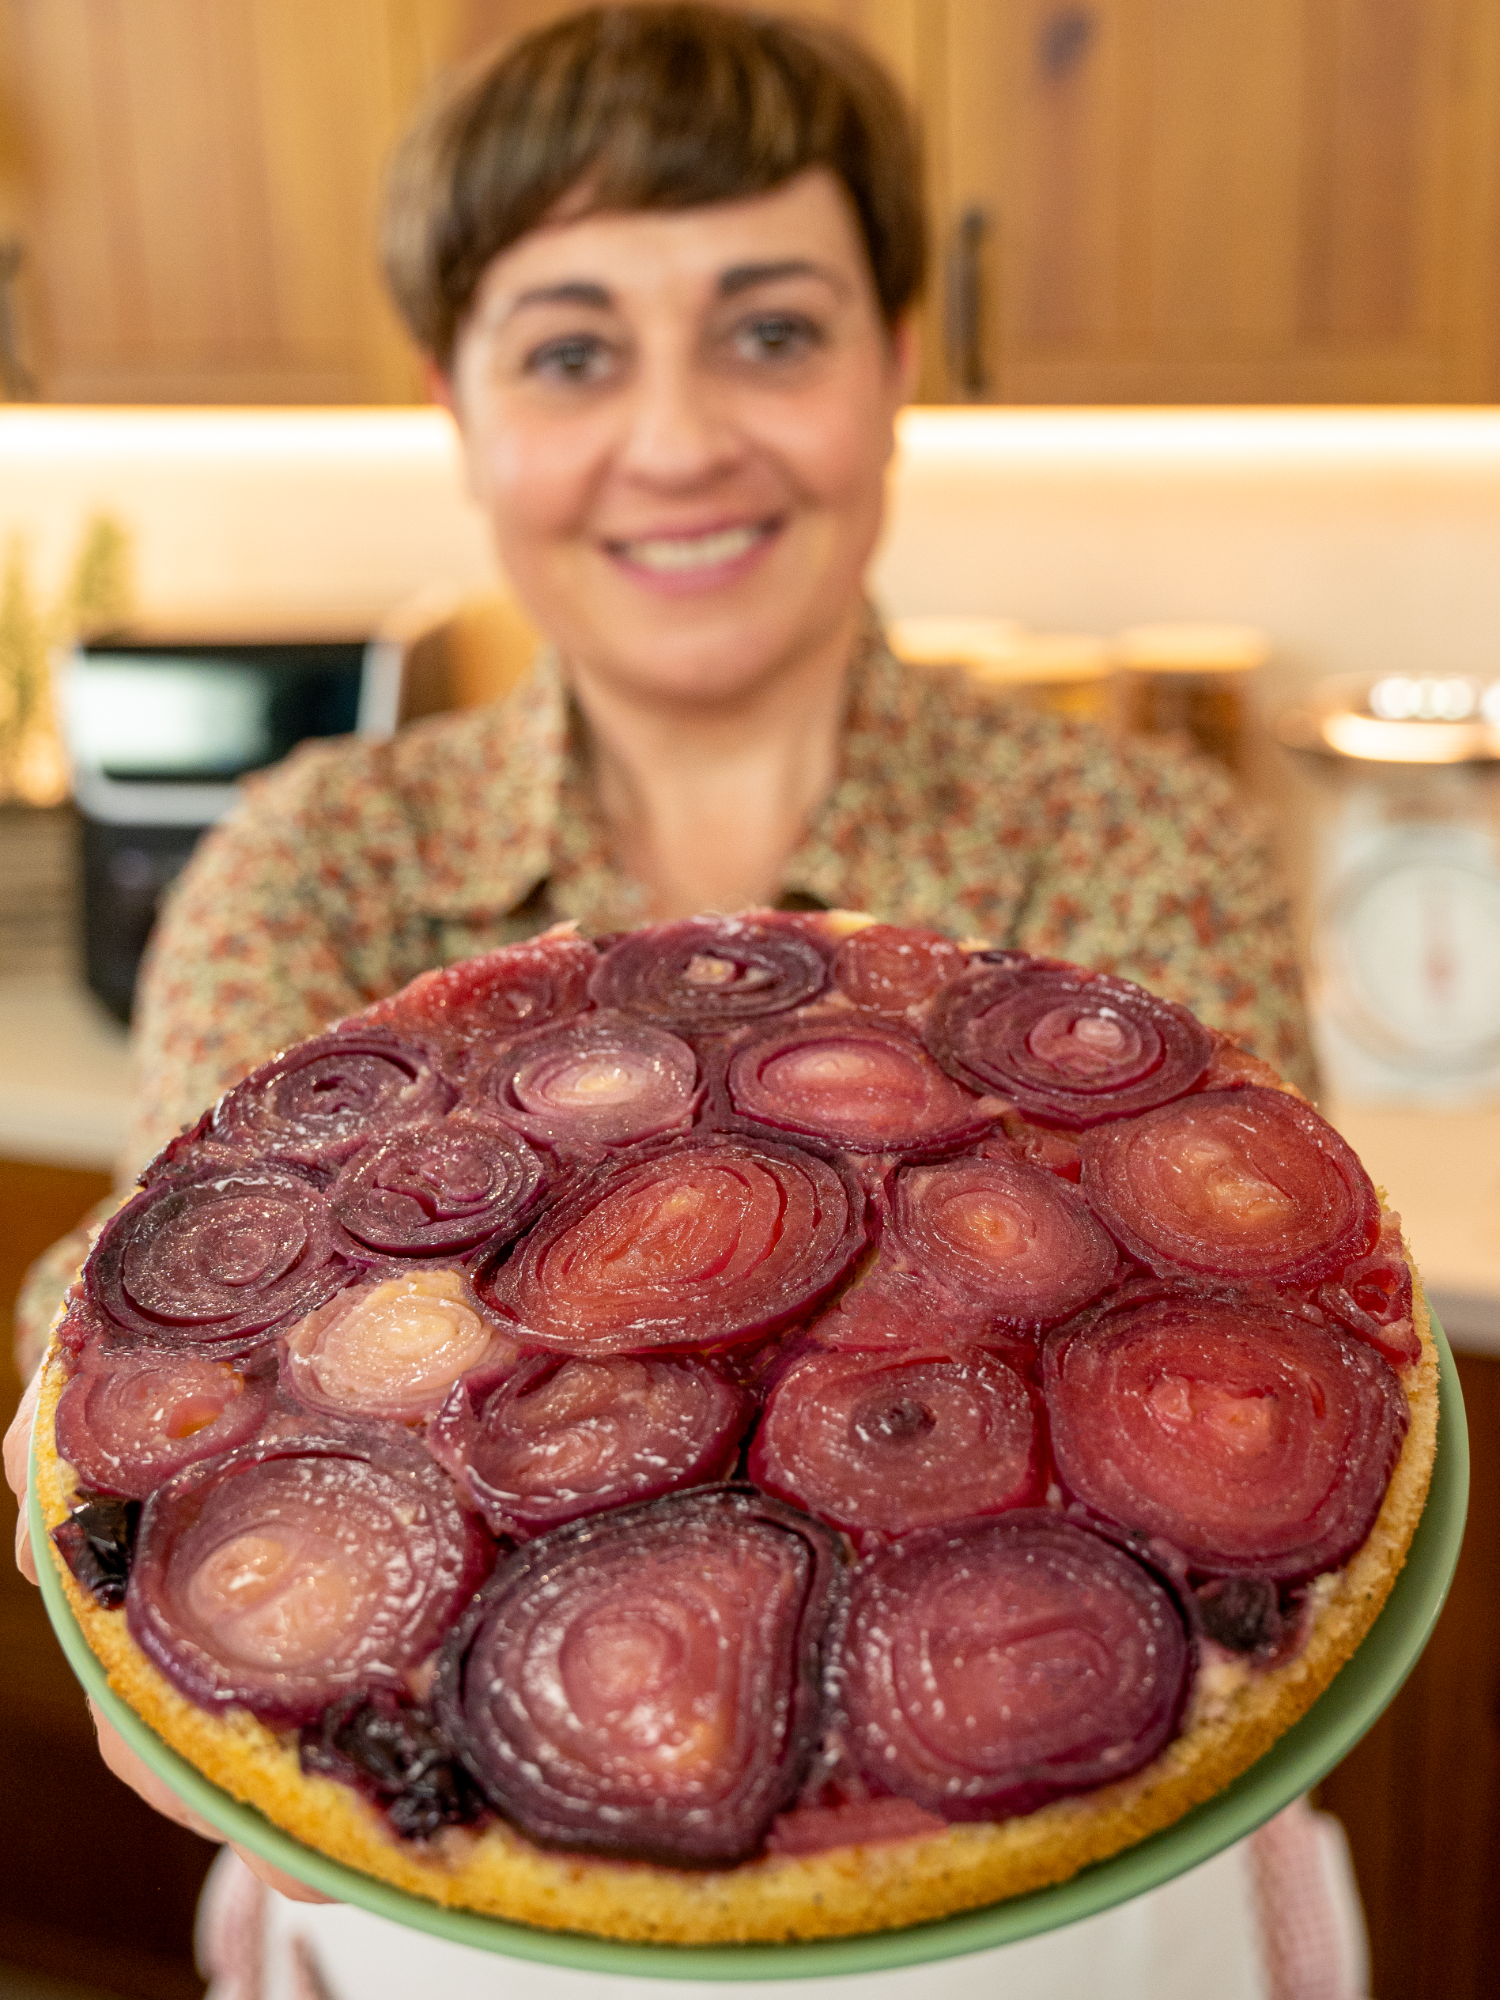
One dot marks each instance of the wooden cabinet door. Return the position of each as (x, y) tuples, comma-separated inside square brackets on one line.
[(1293, 200), (195, 183)]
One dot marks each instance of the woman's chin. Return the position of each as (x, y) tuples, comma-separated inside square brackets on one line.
[(717, 663)]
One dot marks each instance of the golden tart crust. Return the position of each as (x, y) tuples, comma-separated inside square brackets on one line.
[(1235, 1713)]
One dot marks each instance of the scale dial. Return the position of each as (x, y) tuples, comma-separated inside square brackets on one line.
[(1410, 956)]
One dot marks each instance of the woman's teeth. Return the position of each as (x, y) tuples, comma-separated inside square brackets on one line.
[(692, 551)]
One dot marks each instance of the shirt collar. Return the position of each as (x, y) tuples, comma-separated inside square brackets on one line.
[(508, 806)]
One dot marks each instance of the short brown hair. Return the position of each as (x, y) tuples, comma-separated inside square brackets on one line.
[(645, 107)]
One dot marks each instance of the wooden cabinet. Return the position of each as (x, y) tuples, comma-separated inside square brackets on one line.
[(196, 189), (1297, 200), (1292, 201)]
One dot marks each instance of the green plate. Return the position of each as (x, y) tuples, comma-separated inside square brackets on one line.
[(1329, 1730)]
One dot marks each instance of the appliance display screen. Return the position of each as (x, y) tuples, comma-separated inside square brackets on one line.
[(201, 713)]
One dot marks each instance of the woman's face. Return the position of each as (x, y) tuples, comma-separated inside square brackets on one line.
[(678, 423)]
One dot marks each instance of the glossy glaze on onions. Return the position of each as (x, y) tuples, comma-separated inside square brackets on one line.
[(539, 1441), (697, 1245), (713, 973), (220, 1264), (868, 1088), (599, 1082), (439, 1189), (1065, 1047), (1248, 1186), (1245, 1437), (283, 1575), (1055, 1348), (990, 1668)]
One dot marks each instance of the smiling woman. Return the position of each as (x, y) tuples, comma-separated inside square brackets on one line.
[(678, 424), (661, 260)]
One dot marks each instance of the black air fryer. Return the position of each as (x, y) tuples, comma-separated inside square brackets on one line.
[(159, 733)]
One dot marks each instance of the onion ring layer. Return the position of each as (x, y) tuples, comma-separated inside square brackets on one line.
[(648, 1681)]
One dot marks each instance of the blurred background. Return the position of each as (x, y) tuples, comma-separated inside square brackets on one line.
[(1208, 440)]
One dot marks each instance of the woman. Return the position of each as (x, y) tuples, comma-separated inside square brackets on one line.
[(662, 262)]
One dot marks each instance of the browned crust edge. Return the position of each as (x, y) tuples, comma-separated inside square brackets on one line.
[(838, 1893)]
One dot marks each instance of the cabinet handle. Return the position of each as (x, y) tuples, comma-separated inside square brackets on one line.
[(17, 385), (966, 305)]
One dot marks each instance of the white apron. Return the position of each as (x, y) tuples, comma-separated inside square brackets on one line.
[(1275, 1918)]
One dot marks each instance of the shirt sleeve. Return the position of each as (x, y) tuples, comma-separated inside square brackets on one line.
[(285, 919), (1157, 869)]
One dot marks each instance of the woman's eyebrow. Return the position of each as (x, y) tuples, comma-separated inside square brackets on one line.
[(570, 292), (741, 277)]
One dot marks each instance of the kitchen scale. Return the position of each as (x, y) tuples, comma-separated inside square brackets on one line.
[(1404, 989)]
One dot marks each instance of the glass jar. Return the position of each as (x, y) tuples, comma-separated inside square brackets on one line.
[(1065, 673), (1404, 967), (1196, 680)]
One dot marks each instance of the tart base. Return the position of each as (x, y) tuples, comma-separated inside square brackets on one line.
[(1235, 1714)]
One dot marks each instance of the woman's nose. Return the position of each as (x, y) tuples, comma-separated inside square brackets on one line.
[(681, 431)]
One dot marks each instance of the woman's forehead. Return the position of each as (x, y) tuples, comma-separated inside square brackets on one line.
[(804, 229)]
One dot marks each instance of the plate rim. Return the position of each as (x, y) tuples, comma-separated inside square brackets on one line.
[(1364, 1686)]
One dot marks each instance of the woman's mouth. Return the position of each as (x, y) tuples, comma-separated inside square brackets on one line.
[(685, 561)]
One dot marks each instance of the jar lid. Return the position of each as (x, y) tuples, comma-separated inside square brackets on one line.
[(1181, 647), (1398, 719)]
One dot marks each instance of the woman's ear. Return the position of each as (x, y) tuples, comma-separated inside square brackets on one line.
[(439, 385), (440, 388)]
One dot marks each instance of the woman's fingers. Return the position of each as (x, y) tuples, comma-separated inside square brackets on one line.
[(17, 1454), (143, 1781), (113, 1748), (285, 1885)]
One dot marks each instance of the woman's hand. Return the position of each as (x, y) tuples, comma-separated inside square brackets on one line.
[(17, 1456), (117, 1754)]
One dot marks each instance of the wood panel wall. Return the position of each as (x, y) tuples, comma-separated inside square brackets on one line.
[(1295, 201)]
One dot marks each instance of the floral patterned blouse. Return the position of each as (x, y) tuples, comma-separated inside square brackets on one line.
[(355, 865)]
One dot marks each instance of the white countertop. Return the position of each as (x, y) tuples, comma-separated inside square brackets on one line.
[(64, 1073), (65, 1099), (1441, 1172)]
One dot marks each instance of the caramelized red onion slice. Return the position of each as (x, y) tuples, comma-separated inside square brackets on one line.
[(648, 1681), (868, 1088), (217, 1264), (390, 1348), (851, 1823), (1065, 1046), (1248, 1438), (883, 1444), (603, 1080), (434, 1190), (891, 1310), (1244, 1184), (290, 1573), (713, 972), (324, 1098), (541, 1443), (497, 994), (1001, 1233), (1372, 1297), (889, 968), (990, 1668), (128, 1420), (697, 1245)]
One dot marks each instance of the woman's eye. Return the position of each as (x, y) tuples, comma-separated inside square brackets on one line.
[(777, 337), (578, 357)]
